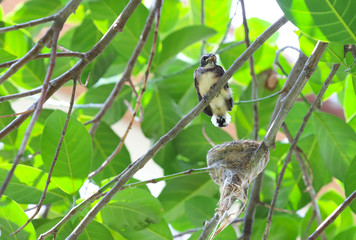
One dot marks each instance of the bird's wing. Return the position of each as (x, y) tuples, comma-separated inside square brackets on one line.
[(229, 102)]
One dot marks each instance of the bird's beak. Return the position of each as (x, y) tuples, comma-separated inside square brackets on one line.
[(211, 59)]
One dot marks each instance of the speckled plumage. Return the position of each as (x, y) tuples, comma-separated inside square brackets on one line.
[(205, 77)]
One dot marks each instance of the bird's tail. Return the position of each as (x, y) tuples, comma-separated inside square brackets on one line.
[(221, 120)]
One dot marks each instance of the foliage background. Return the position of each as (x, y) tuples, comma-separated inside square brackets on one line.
[(185, 203)]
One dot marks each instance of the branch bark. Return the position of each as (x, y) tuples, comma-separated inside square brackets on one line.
[(139, 163), (331, 218), (76, 70), (257, 185), (294, 144)]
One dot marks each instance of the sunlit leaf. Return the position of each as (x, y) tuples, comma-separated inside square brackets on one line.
[(132, 209), (325, 20), (336, 142), (9, 223), (73, 163), (350, 181)]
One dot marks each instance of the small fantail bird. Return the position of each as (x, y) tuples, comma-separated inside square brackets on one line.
[(205, 77)]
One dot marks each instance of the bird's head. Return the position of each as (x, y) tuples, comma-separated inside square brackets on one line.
[(208, 60)]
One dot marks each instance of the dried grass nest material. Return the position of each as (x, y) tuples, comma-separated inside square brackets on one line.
[(233, 168)]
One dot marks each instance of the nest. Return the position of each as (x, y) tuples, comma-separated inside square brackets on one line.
[(233, 168)]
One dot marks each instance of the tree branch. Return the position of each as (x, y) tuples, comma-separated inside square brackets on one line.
[(126, 75), (27, 24), (209, 227), (251, 63), (257, 185), (101, 192), (76, 70), (331, 218), (294, 144), (44, 193), (37, 110), (45, 55), (139, 163), (155, 11)]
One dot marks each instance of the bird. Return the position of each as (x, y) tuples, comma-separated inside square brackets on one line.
[(205, 77)]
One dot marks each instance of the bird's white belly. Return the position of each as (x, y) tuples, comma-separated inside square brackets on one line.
[(205, 85)]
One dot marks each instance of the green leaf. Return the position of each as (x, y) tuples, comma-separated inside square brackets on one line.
[(283, 227), (105, 142), (349, 99), (94, 231), (334, 53), (294, 119), (132, 210), (328, 202), (161, 114), (192, 144), (5, 56), (350, 181), (256, 28), (158, 231), (105, 12), (35, 9), (13, 217), (27, 185), (347, 234), (73, 163), (180, 39), (336, 143), (325, 20), (200, 209), (169, 15), (321, 175), (178, 191), (349, 58), (98, 95)]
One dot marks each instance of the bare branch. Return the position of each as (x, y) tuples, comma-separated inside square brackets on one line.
[(208, 228), (251, 63), (44, 193), (27, 24), (155, 10), (294, 144), (76, 70), (45, 55), (37, 111), (139, 163), (16, 114), (126, 75), (331, 218)]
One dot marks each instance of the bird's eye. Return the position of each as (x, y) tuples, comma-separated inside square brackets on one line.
[(205, 57)]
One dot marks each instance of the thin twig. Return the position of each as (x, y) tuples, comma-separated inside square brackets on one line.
[(331, 218), (126, 75), (101, 192), (257, 185), (207, 137), (36, 113), (208, 228), (251, 63), (75, 71), (126, 174), (308, 181), (189, 231), (27, 24), (45, 55), (16, 114), (202, 11), (44, 193), (155, 11), (259, 99), (263, 204), (293, 146), (278, 53)]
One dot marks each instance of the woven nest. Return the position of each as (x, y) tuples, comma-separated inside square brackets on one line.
[(233, 168)]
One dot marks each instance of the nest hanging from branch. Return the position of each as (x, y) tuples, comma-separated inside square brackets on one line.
[(233, 167)]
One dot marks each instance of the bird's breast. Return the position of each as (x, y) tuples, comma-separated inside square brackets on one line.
[(205, 81)]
